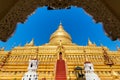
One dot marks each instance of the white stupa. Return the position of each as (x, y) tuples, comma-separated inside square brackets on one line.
[(89, 71), (31, 74)]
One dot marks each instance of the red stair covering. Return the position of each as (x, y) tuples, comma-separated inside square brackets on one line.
[(60, 70)]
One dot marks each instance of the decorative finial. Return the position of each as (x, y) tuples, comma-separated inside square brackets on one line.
[(60, 27), (60, 22), (89, 42), (31, 43)]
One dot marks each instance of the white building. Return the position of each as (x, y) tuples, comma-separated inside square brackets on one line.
[(89, 71), (31, 74)]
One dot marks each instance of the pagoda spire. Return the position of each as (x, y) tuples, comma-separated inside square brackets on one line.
[(60, 26), (89, 42), (32, 41)]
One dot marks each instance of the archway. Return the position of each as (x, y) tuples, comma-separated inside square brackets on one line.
[(23, 8), (60, 55)]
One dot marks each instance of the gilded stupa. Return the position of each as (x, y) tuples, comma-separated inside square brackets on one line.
[(60, 35), (59, 58)]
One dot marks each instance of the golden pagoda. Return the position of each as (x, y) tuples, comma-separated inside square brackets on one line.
[(14, 63)]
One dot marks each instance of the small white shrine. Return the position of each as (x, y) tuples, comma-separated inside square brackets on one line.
[(89, 71), (31, 74)]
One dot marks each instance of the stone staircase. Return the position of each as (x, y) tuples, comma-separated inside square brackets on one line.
[(60, 70)]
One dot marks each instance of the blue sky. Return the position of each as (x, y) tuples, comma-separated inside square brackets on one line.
[(43, 23)]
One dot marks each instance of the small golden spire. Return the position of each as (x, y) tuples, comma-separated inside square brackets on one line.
[(89, 42), (60, 27), (32, 42)]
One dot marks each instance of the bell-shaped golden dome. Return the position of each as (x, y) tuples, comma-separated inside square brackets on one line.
[(60, 35)]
